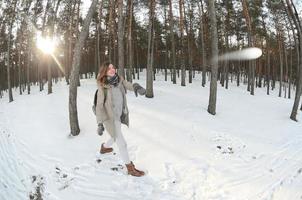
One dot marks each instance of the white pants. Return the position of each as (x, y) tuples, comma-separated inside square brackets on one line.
[(120, 141)]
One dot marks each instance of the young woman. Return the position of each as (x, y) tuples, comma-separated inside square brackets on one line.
[(112, 111)]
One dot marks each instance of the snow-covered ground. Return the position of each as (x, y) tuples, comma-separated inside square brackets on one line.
[(249, 150)]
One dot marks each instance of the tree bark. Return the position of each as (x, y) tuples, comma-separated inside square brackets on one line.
[(268, 71), (203, 49), (19, 70), (98, 26), (294, 15), (130, 70), (251, 77), (10, 93), (182, 57), (28, 66), (149, 80), (171, 26), (280, 60), (214, 63), (167, 53), (111, 46), (121, 50), (73, 113)]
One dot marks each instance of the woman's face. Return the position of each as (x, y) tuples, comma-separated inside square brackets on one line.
[(111, 70)]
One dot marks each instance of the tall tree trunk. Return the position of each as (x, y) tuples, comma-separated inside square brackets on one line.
[(297, 50), (191, 41), (137, 59), (226, 73), (214, 63), (51, 20), (42, 61), (130, 44), (286, 71), (149, 89), (238, 74), (267, 61), (203, 49), (29, 46), (292, 12), (188, 28), (10, 93), (290, 65), (154, 45), (280, 60), (77, 30), (111, 27), (229, 8), (98, 60), (121, 51), (72, 8), (73, 113), (19, 70), (167, 53), (173, 50), (182, 56), (268, 70), (97, 49), (49, 75), (294, 15), (251, 41), (28, 66)]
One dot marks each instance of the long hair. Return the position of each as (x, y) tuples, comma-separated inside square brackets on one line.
[(102, 73)]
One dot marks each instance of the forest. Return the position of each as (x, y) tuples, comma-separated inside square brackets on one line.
[(178, 38)]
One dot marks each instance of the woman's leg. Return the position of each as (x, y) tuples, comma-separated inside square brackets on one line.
[(122, 145), (121, 142), (106, 147), (110, 130), (109, 143)]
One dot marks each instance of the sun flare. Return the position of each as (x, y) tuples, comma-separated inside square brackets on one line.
[(47, 45)]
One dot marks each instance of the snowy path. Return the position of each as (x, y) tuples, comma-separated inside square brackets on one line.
[(248, 151)]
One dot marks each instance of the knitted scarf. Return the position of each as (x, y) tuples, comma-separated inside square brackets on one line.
[(112, 80)]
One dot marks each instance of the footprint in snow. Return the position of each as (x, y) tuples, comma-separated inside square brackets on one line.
[(38, 187), (227, 144), (62, 178)]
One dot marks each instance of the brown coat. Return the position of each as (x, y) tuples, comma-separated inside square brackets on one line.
[(104, 110)]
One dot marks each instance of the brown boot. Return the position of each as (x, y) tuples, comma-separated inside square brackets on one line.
[(105, 150), (133, 171)]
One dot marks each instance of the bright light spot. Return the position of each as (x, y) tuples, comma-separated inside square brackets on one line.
[(47, 45)]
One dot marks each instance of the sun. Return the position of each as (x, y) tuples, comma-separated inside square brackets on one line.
[(46, 44)]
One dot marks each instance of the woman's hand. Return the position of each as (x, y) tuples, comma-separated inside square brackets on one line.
[(100, 129), (138, 89)]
